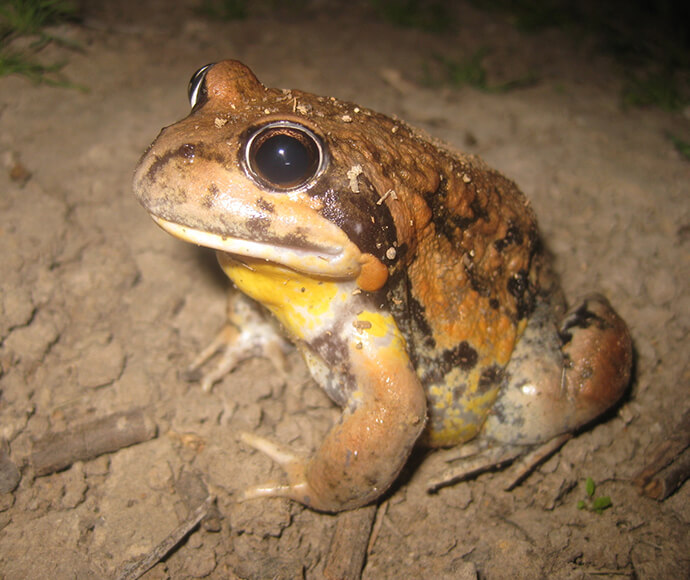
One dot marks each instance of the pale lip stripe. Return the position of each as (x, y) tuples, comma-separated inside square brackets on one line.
[(332, 262)]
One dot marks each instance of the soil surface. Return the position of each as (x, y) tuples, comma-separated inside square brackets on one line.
[(100, 310)]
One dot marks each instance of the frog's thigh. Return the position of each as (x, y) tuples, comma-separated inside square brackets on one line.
[(558, 379)]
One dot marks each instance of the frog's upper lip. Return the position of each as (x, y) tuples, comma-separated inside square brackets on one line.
[(325, 260)]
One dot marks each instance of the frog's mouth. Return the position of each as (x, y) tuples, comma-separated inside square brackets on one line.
[(333, 259)]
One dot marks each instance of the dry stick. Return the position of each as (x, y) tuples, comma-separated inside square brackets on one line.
[(9, 474), (345, 558), (378, 524), (470, 467), (669, 479), (670, 464), (191, 487), (527, 464), (138, 569), (56, 451), (495, 459)]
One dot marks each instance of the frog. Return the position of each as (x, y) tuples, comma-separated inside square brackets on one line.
[(411, 278)]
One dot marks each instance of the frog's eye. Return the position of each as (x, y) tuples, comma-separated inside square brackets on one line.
[(284, 156), (196, 90)]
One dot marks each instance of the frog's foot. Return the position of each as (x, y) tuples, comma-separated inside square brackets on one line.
[(292, 463), (523, 461), (246, 334)]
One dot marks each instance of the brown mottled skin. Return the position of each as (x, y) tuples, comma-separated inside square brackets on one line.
[(419, 269)]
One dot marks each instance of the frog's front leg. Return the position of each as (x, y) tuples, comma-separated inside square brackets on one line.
[(247, 333), (384, 414)]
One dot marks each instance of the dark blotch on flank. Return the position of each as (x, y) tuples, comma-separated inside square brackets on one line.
[(459, 391), (489, 377), (418, 316), (462, 356), (519, 288)]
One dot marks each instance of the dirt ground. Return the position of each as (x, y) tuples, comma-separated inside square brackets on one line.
[(100, 310)]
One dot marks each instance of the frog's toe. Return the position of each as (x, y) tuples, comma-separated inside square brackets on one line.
[(246, 334), (278, 453), (292, 463), (222, 343)]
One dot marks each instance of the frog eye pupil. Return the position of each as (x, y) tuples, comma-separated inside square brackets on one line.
[(284, 156), (282, 160)]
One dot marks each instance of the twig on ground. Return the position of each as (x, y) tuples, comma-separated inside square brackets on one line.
[(348, 549), (376, 527), (522, 468), (191, 487), (138, 569), (9, 474), (670, 464), (56, 451), (496, 459)]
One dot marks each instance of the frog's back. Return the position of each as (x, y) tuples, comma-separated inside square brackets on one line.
[(467, 288)]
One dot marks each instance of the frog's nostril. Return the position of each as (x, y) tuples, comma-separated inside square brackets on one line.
[(284, 156)]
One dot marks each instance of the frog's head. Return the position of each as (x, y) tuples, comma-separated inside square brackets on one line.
[(271, 174)]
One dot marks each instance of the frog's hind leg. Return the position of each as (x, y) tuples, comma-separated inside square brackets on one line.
[(560, 377)]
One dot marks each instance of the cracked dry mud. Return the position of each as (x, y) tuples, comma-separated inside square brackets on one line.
[(100, 310)]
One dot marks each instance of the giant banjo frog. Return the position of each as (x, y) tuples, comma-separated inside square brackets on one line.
[(411, 278)]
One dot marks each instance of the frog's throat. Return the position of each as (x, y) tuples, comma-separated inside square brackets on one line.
[(333, 260)]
